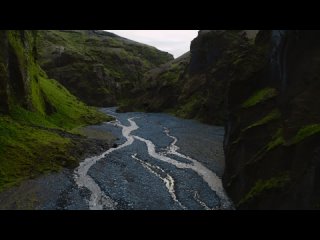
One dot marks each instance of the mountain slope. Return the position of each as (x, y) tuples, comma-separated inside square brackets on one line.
[(37, 114), (159, 88), (194, 85), (98, 67)]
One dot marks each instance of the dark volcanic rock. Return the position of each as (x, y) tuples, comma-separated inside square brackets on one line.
[(4, 105), (272, 133)]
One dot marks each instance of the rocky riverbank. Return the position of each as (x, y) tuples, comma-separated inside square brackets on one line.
[(54, 190), (157, 162)]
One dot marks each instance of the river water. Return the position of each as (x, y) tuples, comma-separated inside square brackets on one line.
[(161, 162)]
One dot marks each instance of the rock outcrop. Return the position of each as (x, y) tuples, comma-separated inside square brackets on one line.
[(16, 65), (194, 85)]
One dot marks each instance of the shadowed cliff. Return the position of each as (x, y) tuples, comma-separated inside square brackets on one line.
[(273, 132), (195, 84)]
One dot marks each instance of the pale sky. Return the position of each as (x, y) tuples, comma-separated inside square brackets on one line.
[(176, 42)]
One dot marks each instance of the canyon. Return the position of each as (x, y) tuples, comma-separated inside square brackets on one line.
[(248, 99)]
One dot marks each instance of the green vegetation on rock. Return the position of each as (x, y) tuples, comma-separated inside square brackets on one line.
[(273, 115), (42, 114), (29, 143), (26, 152), (70, 112), (306, 131), (262, 186), (260, 96), (189, 109), (98, 67), (303, 133), (280, 72), (276, 141)]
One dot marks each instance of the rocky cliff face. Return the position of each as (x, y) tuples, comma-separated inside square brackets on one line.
[(265, 89), (206, 81), (195, 85), (16, 66), (36, 114), (273, 128), (100, 68), (3, 74)]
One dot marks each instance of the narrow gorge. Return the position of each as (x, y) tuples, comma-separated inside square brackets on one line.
[(92, 120)]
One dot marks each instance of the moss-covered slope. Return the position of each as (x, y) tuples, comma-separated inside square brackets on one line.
[(98, 67), (36, 113)]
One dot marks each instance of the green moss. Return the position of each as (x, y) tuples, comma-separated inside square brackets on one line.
[(170, 74), (70, 112), (36, 94), (170, 77), (305, 132), (260, 96), (15, 41), (262, 186), (273, 115), (27, 65), (29, 143), (24, 116), (189, 109), (276, 141), (27, 152)]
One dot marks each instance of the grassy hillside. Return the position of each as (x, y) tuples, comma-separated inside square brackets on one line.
[(99, 67), (38, 114)]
